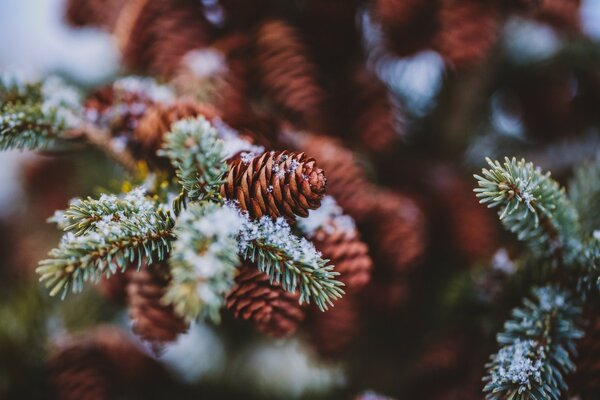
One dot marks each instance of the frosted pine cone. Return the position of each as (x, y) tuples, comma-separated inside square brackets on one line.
[(152, 320), (275, 184), (346, 180), (333, 332), (287, 74), (468, 29), (343, 247), (157, 121), (273, 310)]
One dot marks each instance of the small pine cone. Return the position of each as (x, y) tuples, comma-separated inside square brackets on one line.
[(103, 364), (586, 381), (157, 121), (152, 320), (346, 179), (350, 256), (114, 288), (397, 231), (273, 310), (287, 74), (159, 34), (275, 184), (376, 117), (386, 293), (99, 13), (333, 332), (468, 29), (562, 14)]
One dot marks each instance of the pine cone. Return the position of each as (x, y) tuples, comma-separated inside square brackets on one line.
[(103, 364), (152, 320), (346, 180), (157, 121), (350, 256), (275, 184), (397, 231), (287, 74), (333, 332), (585, 382), (100, 13), (273, 310), (374, 116), (468, 29), (562, 14), (157, 37)]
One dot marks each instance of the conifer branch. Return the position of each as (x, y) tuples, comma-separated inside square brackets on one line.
[(203, 260), (110, 234), (34, 114), (533, 206), (584, 192), (289, 260), (198, 156), (536, 348)]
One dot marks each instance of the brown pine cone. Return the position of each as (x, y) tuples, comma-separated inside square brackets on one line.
[(396, 229), (346, 179), (103, 364), (585, 382), (273, 310), (468, 29), (350, 256), (99, 13), (333, 332), (375, 119), (562, 14), (287, 74), (152, 320), (157, 121), (409, 25), (276, 183), (156, 38)]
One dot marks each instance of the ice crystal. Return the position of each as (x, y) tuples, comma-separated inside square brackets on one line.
[(520, 363), (328, 217)]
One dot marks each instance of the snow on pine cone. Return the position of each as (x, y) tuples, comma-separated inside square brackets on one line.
[(273, 310), (276, 183), (152, 320)]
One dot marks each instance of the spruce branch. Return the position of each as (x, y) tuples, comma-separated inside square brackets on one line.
[(289, 260), (536, 348), (34, 114), (198, 155), (203, 261), (110, 234), (533, 206)]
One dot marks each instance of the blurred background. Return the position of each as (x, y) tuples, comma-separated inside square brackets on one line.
[(537, 95)]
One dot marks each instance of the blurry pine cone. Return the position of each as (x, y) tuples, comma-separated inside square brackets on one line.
[(375, 118), (275, 184), (409, 25), (350, 256), (157, 121), (99, 13), (346, 179), (118, 110), (586, 381), (287, 74), (273, 310), (114, 288), (396, 229), (159, 33), (467, 31), (103, 364), (333, 332), (152, 320), (562, 14)]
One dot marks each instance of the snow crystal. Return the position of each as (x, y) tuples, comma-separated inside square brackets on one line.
[(501, 262), (549, 298), (328, 217), (145, 86), (519, 363)]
